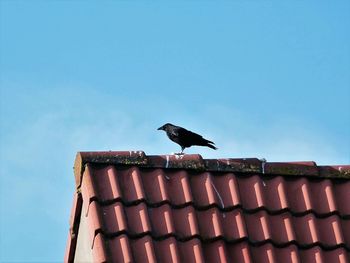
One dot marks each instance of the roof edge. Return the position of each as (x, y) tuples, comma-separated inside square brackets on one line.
[(196, 162), (74, 223)]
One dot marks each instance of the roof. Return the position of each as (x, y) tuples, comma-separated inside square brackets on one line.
[(174, 208)]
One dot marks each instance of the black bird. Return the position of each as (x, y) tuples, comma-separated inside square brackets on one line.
[(185, 138)]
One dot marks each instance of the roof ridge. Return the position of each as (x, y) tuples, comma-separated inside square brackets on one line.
[(196, 162)]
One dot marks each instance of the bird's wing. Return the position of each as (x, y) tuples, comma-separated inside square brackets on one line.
[(187, 133), (190, 138)]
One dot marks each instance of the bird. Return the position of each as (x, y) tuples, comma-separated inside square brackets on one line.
[(185, 138)]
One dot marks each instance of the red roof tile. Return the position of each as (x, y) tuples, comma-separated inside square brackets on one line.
[(187, 209)]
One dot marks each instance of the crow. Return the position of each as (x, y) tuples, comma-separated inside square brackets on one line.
[(185, 138)]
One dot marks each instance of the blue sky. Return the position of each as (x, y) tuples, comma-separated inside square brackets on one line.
[(266, 79)]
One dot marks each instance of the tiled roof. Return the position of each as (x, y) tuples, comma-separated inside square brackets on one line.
[(187, 209)]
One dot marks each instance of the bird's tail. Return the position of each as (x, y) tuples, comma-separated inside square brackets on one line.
[(212, 146)]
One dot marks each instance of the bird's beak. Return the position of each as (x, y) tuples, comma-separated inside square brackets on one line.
[(160, 128)]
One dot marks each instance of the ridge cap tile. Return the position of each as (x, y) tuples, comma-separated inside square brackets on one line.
[(174, 161), (335, 171), (292, 168), (247, 165), (196, 162)]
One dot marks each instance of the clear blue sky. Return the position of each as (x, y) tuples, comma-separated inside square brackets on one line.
[(260, 78)]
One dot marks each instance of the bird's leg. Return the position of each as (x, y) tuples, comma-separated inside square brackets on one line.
[(182, 150)]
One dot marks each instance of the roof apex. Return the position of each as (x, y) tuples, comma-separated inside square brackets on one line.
[(106, 157)]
